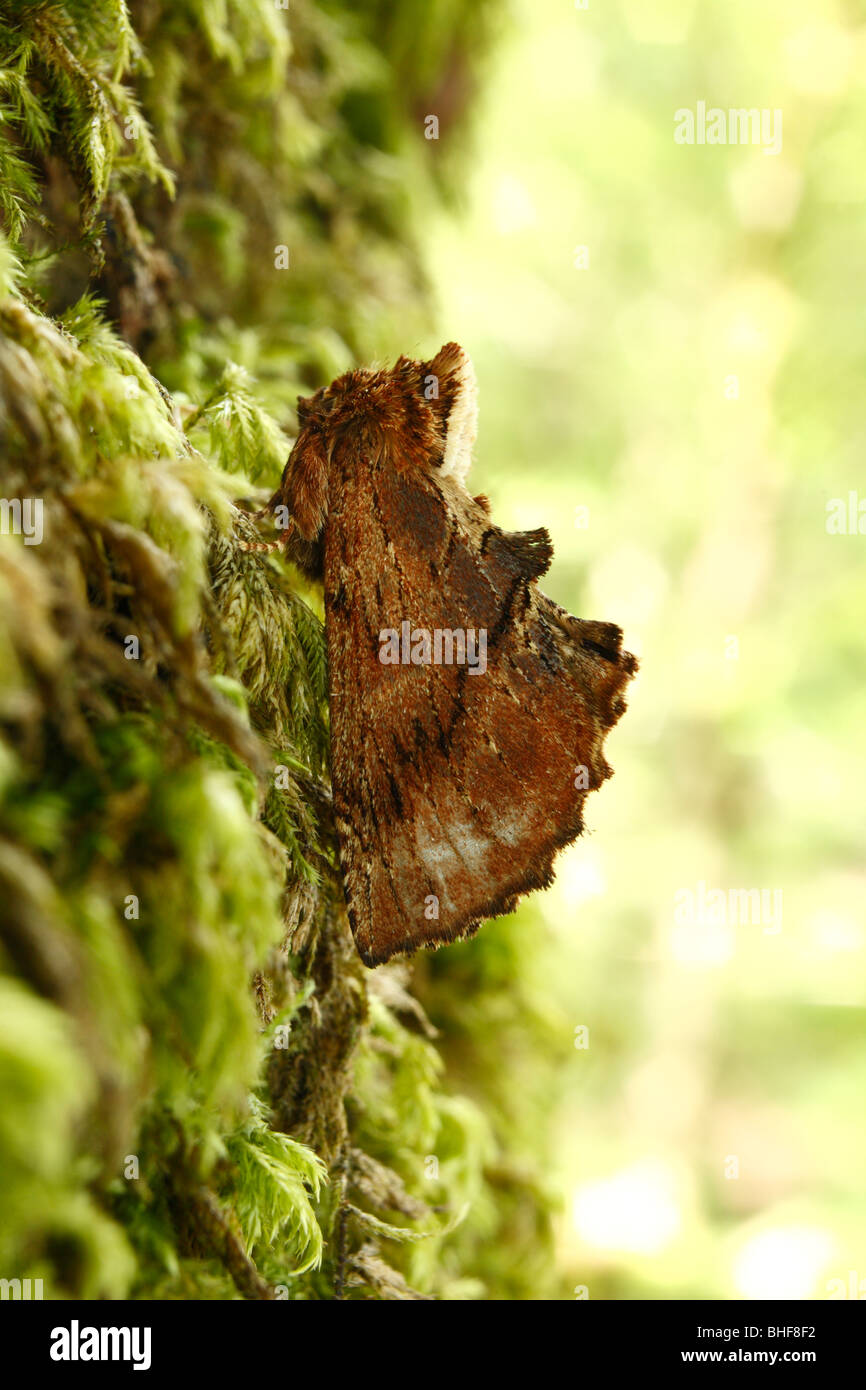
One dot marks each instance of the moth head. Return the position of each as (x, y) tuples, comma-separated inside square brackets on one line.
[(324, 420)]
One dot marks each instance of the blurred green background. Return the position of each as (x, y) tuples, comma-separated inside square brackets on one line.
[(678, 402)]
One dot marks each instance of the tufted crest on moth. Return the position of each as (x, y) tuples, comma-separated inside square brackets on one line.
[(453, 367)]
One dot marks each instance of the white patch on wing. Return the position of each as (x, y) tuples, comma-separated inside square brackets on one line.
[(513, 826), (462, 424), (460, 844)]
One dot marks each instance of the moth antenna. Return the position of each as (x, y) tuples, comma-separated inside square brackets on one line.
[(260, 547), (268, 547)]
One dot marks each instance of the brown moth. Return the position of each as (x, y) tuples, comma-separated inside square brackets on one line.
[(468, 710)]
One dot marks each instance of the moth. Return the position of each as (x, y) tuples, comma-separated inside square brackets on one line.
[(455, 779)]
